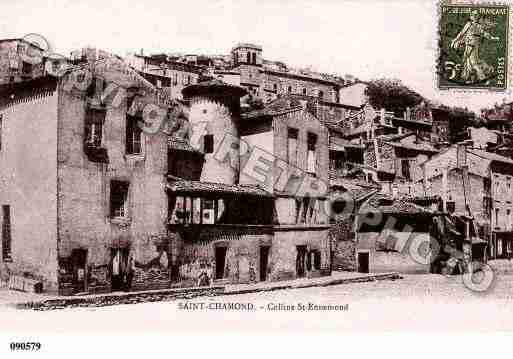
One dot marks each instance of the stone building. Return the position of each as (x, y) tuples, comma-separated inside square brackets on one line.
[(267, 80), (394, 161), (249, 213), (475, 181), (166, 73), (20, 60), (82, 186), (393, 234)]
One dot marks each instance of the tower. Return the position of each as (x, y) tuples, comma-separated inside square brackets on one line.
[(214, 115), (247, 58), (247, 54)]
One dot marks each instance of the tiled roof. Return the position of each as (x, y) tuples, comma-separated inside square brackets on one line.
[(180, 185), (357, 193), (395, 136), (276, 107), (214, 86), (420, 122), (385, 204), (339, 145), (180, 144), (420, 146), (490, 156)]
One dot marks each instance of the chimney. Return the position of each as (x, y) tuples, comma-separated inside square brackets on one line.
[(142, 52)]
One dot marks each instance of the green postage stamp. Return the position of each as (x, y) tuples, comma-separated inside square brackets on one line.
[(473, 46)]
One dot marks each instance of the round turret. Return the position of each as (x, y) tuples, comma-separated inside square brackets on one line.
[(214, 115)]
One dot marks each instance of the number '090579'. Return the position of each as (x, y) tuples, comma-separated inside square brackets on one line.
[(25, 346)]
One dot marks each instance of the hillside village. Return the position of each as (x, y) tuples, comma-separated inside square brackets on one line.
[(261, 172)]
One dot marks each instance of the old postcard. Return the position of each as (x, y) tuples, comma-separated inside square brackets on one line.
[(255, 166)]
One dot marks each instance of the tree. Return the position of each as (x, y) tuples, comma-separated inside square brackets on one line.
[(391, 95)]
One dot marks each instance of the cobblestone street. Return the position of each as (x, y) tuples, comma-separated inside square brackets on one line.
[(417, 301)]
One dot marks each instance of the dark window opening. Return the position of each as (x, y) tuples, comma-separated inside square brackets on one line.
[(248, 57), (118, 199), (220, 261), (208, 143), (209, 211), (363, 262), (405, 166), (275, 87), (316, 259), (321, 94), (289, 89), (6, 233), (305, 204), (133, 135), (94, 127), (264, 262), (311, 156), (451, 207), (26, 67), (301, 261), (304, 91), (79, 269)]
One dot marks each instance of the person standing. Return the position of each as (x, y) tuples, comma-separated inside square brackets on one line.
[(130, 271)]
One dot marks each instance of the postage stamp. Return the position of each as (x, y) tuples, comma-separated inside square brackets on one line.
[(473, 46)]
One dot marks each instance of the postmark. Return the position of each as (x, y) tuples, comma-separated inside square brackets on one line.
[(473, 46)]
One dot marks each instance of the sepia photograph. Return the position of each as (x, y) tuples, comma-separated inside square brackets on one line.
[(274, 167)]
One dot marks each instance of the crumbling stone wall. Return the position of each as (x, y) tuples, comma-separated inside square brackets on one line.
[(84, 189), (343, 245)]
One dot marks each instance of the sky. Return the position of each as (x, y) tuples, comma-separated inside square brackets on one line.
[(368, 38)]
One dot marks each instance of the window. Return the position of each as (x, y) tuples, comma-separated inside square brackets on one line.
[(316, 259), (487, 205), (508, 218), (6, 233), (311, 158), (94, 134), (188, 79), (405, 167), (133, 135), (305, 203), (254, 58), (451, 206), (292, 146), (208, 215), (248, 57), (289, 89), (208, 143), (304, 91), (321, 94), (94, 127), (275, 87), (118, 199), (496, 217), (26, 68)]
